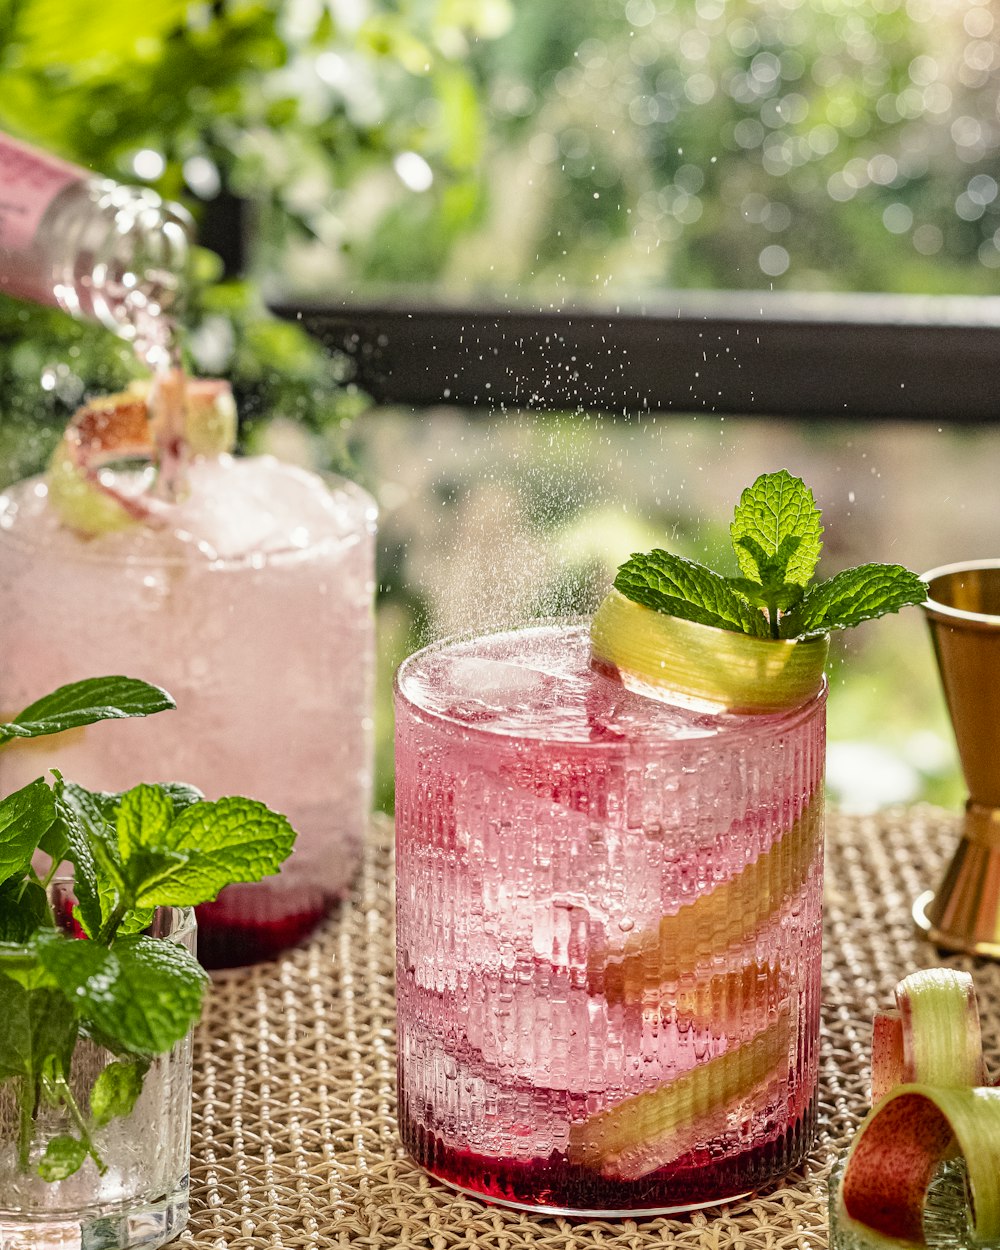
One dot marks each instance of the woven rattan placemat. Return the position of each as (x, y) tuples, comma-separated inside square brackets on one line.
[(294, 1138)]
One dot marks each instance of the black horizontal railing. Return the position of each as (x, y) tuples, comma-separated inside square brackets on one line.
[(832, 356)]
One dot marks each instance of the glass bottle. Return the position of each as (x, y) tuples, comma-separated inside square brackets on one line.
[(98, 250)]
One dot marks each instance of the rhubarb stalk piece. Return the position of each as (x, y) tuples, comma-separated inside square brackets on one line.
[(725, 918), (931, 1105), (126, 427), (674, 659), (650, 1130), (899, 1148)]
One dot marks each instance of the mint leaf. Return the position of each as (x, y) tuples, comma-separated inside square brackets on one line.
[(93, 848), (144, 815), (776, 508), (116, 1090), (124, 835), (229, 840), (677, 587), (853, 596), (782, 597), (25, 816), (36, 1024), (83, 703), (140, 996), (772, 569), (147, 868), (136, 920), (63, 1156), (181, 795), (23, 910), (82, 822), (54, 842)]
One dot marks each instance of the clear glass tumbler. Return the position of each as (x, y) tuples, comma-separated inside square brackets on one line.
[(141, 1198), (609, 932), (253, 607)]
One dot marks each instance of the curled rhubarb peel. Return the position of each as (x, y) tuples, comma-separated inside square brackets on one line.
[(650, 1130), (673, 659), (119, 427), (931, 1105), (114, 427), (888, 1060), (725, 918), (942, 1036), (932, 1037), (897, 1151)]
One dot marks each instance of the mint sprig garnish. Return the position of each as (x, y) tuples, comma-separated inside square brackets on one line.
[(777, 539), (678, 587), (147, 847), (776, 530)]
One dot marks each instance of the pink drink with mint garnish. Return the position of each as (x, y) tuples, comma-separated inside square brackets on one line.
[(609, 915)]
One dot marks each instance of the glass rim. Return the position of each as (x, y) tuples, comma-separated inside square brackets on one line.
[(724, 723), (89, 551), (936, 609)]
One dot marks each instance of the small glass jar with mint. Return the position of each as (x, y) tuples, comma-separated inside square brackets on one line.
[(100, 989)]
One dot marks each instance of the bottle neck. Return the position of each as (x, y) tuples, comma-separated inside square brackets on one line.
[(120, 257), (113, 254)]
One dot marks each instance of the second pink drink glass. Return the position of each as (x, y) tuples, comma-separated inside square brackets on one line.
[(609, 932)]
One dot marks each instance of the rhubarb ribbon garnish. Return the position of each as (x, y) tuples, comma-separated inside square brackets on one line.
[(726, 917), (138, 424), (650, 1130), (898, 1149), (931, 1105)]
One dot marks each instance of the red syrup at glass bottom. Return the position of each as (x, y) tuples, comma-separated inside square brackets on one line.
[(228, 941), (554, 1183)]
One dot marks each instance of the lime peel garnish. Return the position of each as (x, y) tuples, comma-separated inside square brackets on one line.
[(931, 1104)]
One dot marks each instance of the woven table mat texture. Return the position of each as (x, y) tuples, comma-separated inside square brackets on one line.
[(294, 1137)]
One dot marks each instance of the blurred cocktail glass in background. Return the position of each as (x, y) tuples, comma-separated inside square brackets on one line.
[(251, 601)]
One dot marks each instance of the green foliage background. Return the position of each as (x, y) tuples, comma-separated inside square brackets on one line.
[(234, 87), (605, 150)]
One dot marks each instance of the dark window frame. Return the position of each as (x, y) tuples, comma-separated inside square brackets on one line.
[(824, 356)]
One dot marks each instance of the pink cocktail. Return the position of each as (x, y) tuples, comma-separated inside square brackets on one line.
[(252, 605), (609, 930)]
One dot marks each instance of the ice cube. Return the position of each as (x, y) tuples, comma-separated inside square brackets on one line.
[(496, 684), (254, 506)]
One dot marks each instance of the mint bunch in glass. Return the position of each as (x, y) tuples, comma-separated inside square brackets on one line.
[(667, 626), (106, 979)]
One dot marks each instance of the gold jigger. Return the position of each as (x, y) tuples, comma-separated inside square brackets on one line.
[(963, 612)]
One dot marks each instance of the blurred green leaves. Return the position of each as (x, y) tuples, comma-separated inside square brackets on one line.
[(88, 38), (299, 113)]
